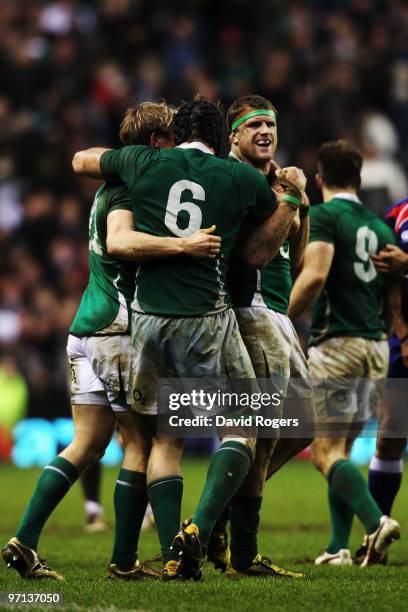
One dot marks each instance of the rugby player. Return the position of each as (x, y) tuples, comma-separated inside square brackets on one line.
[(348, 344), (261, 299), (183, 325), (385, 472), (98, 351)]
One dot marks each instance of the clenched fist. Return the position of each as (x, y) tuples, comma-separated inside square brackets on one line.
[(292, 177)]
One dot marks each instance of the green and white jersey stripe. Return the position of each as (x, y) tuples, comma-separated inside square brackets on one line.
[(105, 304)]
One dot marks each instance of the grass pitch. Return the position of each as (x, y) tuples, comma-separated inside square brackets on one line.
[(294, 529)]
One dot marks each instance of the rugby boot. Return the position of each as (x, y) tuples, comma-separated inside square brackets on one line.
[(379, 541), (187, 545), (95, 523), (171, 571), (341, 557), (262, 567), (139, 571), (27, 562)]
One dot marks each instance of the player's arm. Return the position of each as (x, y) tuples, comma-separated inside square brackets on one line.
[(111, 164), (299, 240), (391, 260), (87, 163), (316, 267), (124, 242), (261, 242)]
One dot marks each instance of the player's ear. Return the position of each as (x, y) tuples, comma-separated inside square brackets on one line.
[(161, 141), (155, 140), (233, 138), (318, 180)]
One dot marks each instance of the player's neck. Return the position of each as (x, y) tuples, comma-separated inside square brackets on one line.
[(330, 192), (263, 169)]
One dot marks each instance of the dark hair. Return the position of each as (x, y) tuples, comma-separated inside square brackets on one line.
[(253, 101), (199, 119), (339, 164)]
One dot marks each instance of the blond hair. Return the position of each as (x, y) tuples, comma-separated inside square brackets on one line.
[(139, 122)]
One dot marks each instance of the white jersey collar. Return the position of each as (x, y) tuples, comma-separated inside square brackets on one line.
[(231, 154), (344, 195), (196, 144)]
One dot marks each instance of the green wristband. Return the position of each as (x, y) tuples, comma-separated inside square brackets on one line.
[(292, 200)]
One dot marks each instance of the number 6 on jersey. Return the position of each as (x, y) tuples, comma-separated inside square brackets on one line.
[(175, 206)]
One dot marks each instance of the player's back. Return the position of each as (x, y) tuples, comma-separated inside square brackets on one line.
[(351, 302), (105, 304), (176, 192)]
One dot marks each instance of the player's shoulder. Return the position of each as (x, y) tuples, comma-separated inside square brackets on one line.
[(133, 151), (378, 225), (240, 168), (245, 174), (113, 191), (324, 210), (112, 195)]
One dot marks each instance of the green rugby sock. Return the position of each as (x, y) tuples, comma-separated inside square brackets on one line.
[(227, 470), (130, 501), (244, 523), (341, 521), (165, 499), (348, 483), (53, 484)]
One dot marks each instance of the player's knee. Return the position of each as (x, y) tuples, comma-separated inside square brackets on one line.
[(248, 443), (93, 450)]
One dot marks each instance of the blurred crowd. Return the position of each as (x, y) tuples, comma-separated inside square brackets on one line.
[(68, 70)]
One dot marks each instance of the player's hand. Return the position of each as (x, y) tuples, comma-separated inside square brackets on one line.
[(391, 260), (203, 243), (292, 177)]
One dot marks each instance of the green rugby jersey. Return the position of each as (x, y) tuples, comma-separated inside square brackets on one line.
[(351, 302), (105, 304), (176, 192), (269, 287)]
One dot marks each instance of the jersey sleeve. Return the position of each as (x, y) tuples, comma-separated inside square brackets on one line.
[(119, 198), (124, 163), (265, 199), (321, 225)]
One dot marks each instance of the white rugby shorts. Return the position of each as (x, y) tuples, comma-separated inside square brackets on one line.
[(99, 368)]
